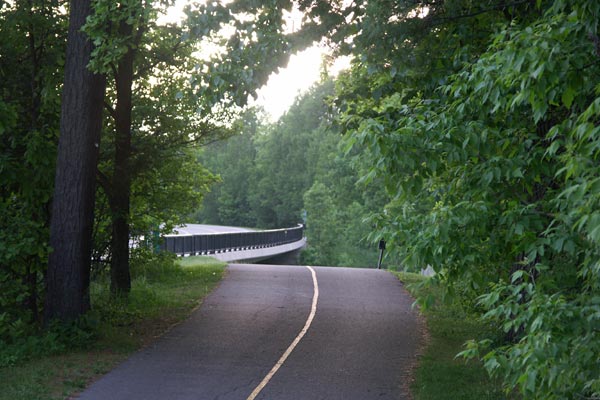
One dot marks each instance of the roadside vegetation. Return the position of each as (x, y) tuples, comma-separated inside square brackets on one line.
[(440, 374), (62, 361)]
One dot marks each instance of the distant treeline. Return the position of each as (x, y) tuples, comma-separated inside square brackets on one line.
[(294, 171)]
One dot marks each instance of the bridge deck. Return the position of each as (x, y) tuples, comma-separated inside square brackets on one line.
[(234, 244), (201, 229)]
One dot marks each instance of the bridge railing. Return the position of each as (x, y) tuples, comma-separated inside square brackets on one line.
[(211, 243)]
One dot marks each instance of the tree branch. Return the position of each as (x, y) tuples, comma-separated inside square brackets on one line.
[(596, 40), (110, 110), (151, 65), (104, 182)]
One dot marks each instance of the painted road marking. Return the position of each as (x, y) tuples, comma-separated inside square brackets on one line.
[(311, 316)]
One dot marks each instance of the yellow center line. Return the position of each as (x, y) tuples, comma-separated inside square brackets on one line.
[(311, 316)]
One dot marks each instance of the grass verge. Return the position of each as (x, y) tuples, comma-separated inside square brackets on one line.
[(439, 375), (163, 293)]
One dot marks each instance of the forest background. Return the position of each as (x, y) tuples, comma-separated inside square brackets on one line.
[(276, 175)]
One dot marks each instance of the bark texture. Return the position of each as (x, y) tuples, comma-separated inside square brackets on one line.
[(120, 198), (67, 278)]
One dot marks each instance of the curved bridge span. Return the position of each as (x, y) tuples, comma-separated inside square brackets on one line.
[(233, 244)]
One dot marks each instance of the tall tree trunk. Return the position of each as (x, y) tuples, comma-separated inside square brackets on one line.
[(67, 278), (120, 283)]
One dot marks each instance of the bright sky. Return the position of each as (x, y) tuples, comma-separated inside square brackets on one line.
[(302, 71)]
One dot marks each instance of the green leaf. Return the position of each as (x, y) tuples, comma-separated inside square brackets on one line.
[(568, 96)]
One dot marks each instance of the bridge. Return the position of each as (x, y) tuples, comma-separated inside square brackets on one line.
[(233, 244)]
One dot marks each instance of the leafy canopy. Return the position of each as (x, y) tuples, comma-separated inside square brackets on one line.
[(482, 120)]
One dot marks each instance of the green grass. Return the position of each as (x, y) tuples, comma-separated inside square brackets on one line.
[(162, 295), (439, 374)]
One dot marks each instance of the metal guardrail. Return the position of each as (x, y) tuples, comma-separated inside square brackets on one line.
[(212, 243)]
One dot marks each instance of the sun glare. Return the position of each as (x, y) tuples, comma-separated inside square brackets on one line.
[(302, 71)]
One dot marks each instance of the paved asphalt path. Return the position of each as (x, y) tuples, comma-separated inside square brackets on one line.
[(360, 345)]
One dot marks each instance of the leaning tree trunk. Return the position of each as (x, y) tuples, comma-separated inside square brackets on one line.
[(67, 278)]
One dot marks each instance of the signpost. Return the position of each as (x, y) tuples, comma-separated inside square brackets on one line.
[(381, 249)]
